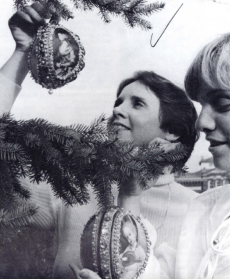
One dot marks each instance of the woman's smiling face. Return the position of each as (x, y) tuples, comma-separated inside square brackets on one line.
[(214, 121), (136, 115)]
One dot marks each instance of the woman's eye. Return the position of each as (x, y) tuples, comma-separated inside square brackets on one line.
[(222, 105), (138, 104)]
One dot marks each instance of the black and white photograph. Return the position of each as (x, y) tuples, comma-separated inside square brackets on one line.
[(115, 139)]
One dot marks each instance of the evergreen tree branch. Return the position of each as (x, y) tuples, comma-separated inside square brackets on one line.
[(104, 15), (71, 158), (19, 4), (18, 217), (130, 10), (149, 9)]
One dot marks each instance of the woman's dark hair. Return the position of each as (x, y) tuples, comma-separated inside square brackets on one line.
[(177, 113)]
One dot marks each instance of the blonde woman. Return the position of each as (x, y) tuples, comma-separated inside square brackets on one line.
[(204, 246)]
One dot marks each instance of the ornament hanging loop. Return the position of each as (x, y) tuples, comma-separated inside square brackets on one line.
[(50, 91), (55, 19), (153, 45)]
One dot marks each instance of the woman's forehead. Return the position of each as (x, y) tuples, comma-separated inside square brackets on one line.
[(137, 89)]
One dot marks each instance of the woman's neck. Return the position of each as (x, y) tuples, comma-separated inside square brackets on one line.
[(162, 180), (129, 196)]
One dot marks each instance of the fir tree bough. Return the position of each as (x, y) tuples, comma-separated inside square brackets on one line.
[(72, 158), (131, 11)]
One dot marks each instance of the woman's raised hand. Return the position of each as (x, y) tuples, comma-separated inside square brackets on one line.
[(24, 24), (164, 144)]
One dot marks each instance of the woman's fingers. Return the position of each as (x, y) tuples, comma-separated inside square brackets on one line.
[(44, 9), (84, 273), (30, 15), (24, 24), (35, 14), (171, 146), (75, 269), (88, 274), (27, 21), (158, 141), (20, 18), (22, 27), (165, 145)]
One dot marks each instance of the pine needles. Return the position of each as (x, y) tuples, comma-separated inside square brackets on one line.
[(71, 158), (132, 11)]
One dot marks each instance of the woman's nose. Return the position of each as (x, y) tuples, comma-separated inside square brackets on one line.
[(206, 120), (120, 111)]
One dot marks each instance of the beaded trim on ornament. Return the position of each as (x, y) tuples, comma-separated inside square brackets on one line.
[(116, 244), (43, 44), (95, 234), (148, 245), (85, 229), (106, 232)]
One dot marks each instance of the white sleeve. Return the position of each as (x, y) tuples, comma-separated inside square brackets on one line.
[(8, 94), (166, 257), (43, 199)]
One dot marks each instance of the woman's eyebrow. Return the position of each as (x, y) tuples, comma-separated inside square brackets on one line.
[(138, 98), (119, 100), (216, 93)]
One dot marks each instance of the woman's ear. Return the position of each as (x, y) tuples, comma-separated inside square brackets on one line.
[(171, 137)]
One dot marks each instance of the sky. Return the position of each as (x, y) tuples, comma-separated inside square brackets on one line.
[(114, 52)]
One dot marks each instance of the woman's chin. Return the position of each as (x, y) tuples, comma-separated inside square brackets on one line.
[(123, 136), (222, 163)]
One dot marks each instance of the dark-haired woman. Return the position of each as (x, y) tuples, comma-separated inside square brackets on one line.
[(148, 109)]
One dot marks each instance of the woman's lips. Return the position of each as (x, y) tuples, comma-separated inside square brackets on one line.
[(216, 145), (120, 126)]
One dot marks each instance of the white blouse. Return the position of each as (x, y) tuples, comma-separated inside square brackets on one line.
[(204, 245)]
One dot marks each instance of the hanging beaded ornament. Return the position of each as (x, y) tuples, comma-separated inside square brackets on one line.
[(56, 56), (115, 244)]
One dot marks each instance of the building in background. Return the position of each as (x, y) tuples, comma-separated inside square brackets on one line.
[(206, 178)]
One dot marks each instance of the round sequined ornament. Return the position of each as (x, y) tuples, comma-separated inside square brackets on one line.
[(56, 56), (115, 244)]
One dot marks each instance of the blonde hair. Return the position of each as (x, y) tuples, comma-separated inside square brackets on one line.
[(211, 67)]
